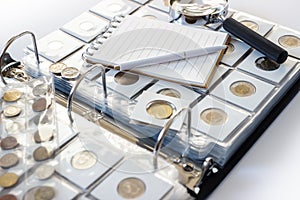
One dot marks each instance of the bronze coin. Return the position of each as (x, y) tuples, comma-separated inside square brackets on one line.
[(242, 88), (8, 180), (41, 153), (160, 109), (214, 116), (11, 111), (9, 142), (126, 78), (44, 193), (266, 64), (8, 197), (289, 41), (39, 105), (12, 95), (57, 68), (9, 160), (170, 92), (131, 188)]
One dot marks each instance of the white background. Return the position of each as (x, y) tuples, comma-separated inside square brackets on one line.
[(270, 170)]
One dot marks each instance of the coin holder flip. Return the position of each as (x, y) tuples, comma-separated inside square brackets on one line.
[(147, 99), (161, 5), (147, 185), (286, 38), (126, 84), (252, 65), (150, 13), (85, 27), (110, 9), (216, 119), (221, 70), (92, 158), (57, 45), (141, 1), (250, 95)]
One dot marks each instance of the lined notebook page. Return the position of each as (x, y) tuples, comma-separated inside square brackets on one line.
[(137, 38)]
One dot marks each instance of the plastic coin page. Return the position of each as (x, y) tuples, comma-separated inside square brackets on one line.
[(141, 1)]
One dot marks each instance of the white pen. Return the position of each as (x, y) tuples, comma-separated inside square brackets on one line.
[(168, 57)]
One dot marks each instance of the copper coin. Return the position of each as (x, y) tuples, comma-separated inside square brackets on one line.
[(44, 193), (213, 116), (9, 160), (8, 180), (40, 89), (289, 41), (70, 73), (170, 92), (126, 78), (9, 142), (266, 64), (39, 105), (242, 88), (8, 197), (84, 160), (12, 95), (12, 111), (41, 154), (250, 24), (131, 188), (57, 68), (160, 109)]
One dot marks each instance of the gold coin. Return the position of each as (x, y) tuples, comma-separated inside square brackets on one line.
[(8, 143), (213, 116), (70, 73), (57, 68), (230, 48), (9, 160), (8, 180), (12, 95), (8, 197), (160, 109), (125, 78), (12, 111), (289, 41), (41, 154), (242, 88), (131, 188), (83, 160), (44, 193), (250, 24), (170, 92), (266, 64)]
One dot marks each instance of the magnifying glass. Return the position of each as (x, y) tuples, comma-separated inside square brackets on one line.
[(213, 11)]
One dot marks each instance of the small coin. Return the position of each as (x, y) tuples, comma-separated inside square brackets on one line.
[(44, 171), (9, 142), (131, 188), (39, 105), (57, 68), (160, 109), (12, 95), (9, 160), (170, 92), (242, 88), (40, 89), (41, 153), (250, 24), (70, 73), (230, 48), (84, 160), (8, 180), (289, 41), (266, 64), (45, 133), (125, 78), (8, 197), (12, 111), (150, 17), (213, 116), (44, 193)]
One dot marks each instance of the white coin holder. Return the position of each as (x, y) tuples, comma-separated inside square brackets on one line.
[(275, 76), (218, 132), (221, 70), (141, 1), (251, 102), (110, 9), (85, 27), (141, 115), (281, 31), (29, 62), (57, 45), (161, 5), (155, 188), (234, 52), (75, 60), (106, 158), (129, 90), (150, 13)]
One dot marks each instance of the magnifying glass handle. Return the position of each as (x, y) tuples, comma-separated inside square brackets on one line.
[(255, 40)]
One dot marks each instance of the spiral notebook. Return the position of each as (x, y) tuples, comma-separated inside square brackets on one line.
[(134, 38)]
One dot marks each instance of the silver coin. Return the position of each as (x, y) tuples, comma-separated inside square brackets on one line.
[(9, 160), (125, 78), (131, 188), (44, 171), (11, 111), (83, 160), (40, 90), (44, 193), (70, 73), (57, 68)]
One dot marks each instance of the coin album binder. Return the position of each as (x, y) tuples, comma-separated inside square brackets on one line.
[(112, 134)]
